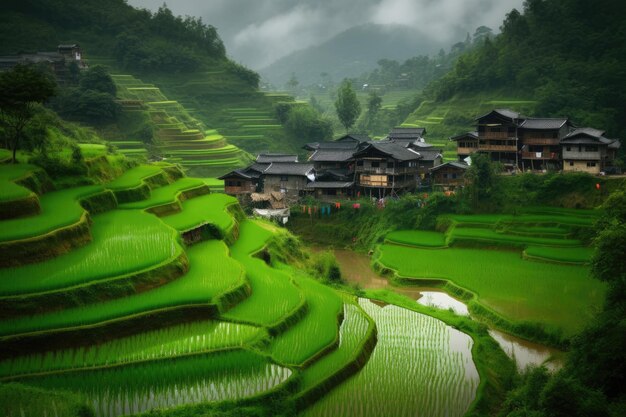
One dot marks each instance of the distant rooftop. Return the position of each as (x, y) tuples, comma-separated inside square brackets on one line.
[(541, 123), (288, 168), (276, 157)]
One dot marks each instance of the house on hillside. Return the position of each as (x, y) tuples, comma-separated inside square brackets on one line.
[(498, 135), (466, 144), (332, 184), (586, 149), (539, 142), (57, 62), (384, 168), (289, 178), (534, 143), (243, 182), (449, 176)]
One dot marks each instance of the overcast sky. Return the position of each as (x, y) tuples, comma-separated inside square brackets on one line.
[(257, 32)]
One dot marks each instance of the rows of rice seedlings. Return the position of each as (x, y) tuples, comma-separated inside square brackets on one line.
[(228, 375), (574, 255), (166, 194), (211, 273), (316, 331), (209, 208), (490, 236), (492, 219), (263, 307), (562, 296), (9, 190), (58, 209), (214, 184), (420, 366), (179, 340), (18, 400), (417, 238), (134, 177), (124, 242), (352, 334)]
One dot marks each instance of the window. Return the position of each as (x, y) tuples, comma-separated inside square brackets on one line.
[(284, 178), (591, 164), (389, 164), (359, 163), (568, 148), (571, 164), (238, 183), (591, 148), (375, 164), (555, 135)]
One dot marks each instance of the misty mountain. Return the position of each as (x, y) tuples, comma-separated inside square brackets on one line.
[(351, 53)]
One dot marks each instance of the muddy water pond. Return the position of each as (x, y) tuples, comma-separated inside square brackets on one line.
[(355, 268)]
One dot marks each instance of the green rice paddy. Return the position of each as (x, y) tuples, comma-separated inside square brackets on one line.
[(124, 242), (210, 208), (420, 366), (228, 375), (212, 272), (166, 194), (560, 296), (9, 190), (417, 238), (58, 209), (135, 177)]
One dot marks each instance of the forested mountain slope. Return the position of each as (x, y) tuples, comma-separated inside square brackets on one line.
[(568, 55)]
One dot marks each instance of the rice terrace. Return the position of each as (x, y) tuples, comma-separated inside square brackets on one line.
[(316, 210)]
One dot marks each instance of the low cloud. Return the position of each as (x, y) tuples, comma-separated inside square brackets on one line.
[(257, 33)]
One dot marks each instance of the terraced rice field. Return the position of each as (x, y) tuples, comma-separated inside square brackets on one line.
[(420, 366), (184, 339), (9, 190), (227, 324), (58, 209), (210, 208), (561, 296), (418, 238), (212, 273), (124, 242), (228, 375)]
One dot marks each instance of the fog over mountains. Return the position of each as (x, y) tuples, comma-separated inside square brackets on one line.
[(257, 33)]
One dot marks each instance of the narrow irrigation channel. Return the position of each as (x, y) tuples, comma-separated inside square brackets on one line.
[(355, 268)]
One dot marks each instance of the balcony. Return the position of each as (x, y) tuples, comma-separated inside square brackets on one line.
[(496, 135), (554, 156), (497, 148), (465, 151), (585, 156), (385, 171), (541, 141)]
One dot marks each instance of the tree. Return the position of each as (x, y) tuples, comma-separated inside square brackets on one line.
[(483, 190), (20, 89), (293, 82), (347, 105), (98, 79), (374, 103)]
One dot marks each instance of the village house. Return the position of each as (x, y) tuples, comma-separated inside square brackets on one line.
[(289, 178), (384, 168), (449, 176), (532, 143), (586, 149), (242, 182), (57, 62)]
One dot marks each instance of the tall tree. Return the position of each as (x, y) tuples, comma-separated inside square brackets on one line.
[(347, 105), (20, 89)]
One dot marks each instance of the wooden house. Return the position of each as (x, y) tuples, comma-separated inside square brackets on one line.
[(466, 144), (244, 181), (539, 142), (498, 135), (384, 168), (449, 176), (290, 178), (587, 150), (332, 184)]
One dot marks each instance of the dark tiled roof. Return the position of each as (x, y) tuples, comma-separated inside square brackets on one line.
[(236, 173), (393, 149), (538, 123), (455, 164), (429, 155), (471, 135), (276, 157), (332, 155), (355, 136), (506, 113), (615, 145), (406, 133), (257, 167), (288, 168), (330, 184), (587, 135)]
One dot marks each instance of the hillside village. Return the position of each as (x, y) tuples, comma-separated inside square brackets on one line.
[(354, 165)]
